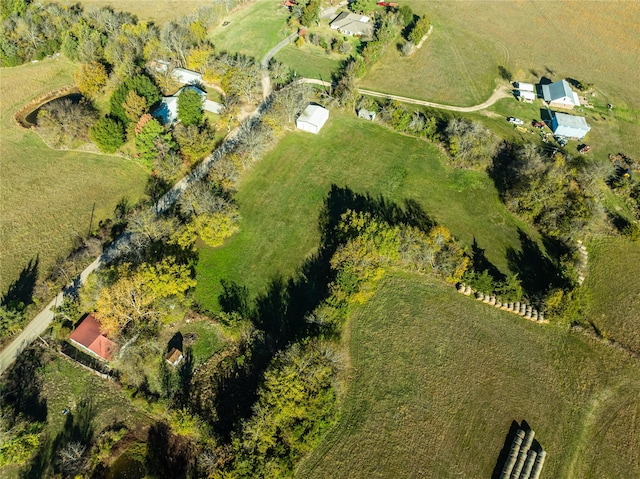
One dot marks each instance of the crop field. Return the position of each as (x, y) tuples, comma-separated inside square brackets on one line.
[(47, 196), (280, 200), (596, 42), (252, 30), (157, 11), (612, 286), (436, 379)]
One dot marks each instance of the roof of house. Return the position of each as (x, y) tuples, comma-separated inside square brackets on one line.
[(88, 335), (174, 356), (562, 119), (167, 110), (352, 23), (314, 115), (186, 76), (559, 90)]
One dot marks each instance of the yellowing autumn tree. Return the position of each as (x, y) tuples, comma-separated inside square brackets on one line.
[(133, 300), (90, 78)]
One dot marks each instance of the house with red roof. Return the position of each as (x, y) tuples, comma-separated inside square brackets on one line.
[(89, 338)]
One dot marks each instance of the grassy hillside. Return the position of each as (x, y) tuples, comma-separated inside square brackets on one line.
[(458, 64), (436, 380), (280, 200), (252, 30), (613, 290), (157, 11), (47, 195)]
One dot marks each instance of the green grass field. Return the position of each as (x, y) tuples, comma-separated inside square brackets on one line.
[(47, 195), (309, 61), (612, 285), (252, 30), (280, 200), (157, 11), (436, 380), (596, 42)]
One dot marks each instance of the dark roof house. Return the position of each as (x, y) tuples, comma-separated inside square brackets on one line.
[(89, 337), (351, 24), (560, 95)]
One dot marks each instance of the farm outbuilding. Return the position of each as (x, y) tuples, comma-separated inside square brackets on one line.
[(312, 119), (89, 337), (569, 126), (186, 77), (525, 86), (526, 96), (560, 95)]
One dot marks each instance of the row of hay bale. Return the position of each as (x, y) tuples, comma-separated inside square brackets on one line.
[(522, 461), (583, 258), (522, 309)]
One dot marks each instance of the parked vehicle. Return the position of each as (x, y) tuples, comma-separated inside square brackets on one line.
[(584, 149), (515, 121)]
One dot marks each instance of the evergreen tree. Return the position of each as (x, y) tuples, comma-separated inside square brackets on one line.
[(190, 107)]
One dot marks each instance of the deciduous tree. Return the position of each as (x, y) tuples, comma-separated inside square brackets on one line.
[(91, 78)]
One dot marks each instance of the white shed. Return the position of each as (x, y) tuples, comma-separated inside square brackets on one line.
[(312, 118), (186, 77), (525, 86), (527, 96), (569, 126)]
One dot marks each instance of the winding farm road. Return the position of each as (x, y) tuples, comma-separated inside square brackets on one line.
[(498, 93), (42, 321)]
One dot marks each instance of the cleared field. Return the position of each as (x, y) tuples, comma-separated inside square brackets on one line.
[(309, 61), (47, 195), (252, 30), (614, 291), (157, 11), (280, 200), (596, 42), (436, 380)]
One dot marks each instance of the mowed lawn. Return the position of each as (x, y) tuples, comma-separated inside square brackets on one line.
[(157, 11), (310, 61), (281, 198), (596, 42), (252, 30), (436, 379), (47, 195), (613, 288)]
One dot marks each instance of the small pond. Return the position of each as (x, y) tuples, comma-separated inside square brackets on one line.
[(30, 118)]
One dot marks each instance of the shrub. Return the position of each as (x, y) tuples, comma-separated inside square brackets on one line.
[(107, 134)]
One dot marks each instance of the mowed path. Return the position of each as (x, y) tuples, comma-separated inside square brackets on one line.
[(498, 93)]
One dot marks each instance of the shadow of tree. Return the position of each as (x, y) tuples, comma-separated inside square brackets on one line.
[(481, 263), (20, 292), (22, 386), (279, 314), (537, 272), (168, 454), (78, 427)]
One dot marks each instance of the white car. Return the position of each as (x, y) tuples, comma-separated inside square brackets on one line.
[(515, 121)]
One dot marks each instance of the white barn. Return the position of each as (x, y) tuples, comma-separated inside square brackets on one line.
[(312, 119), (186, 77), (569, 126)]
